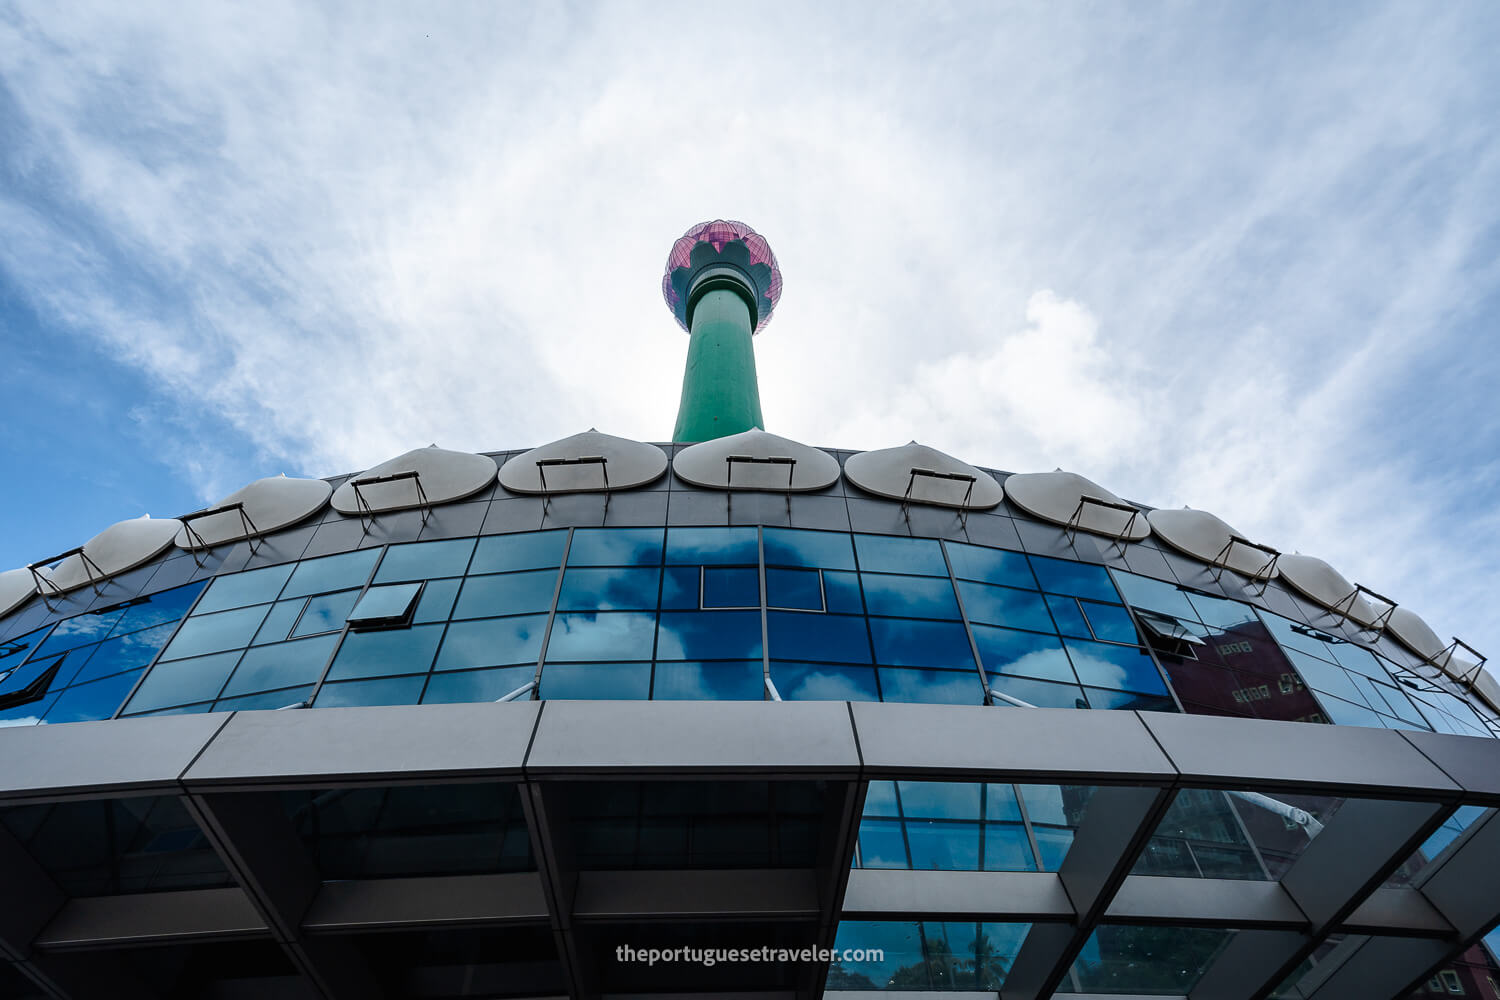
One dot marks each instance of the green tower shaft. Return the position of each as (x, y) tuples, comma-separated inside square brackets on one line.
[(720, 393)]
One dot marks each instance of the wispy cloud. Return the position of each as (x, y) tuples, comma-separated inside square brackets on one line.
[(1238, 258)]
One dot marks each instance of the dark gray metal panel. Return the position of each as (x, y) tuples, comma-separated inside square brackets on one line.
[(934, 522), (279, 547), (341, 535), (1041, 744), (825, 513), (1044, 947), (1471, 761), (1223, 902), (877, 517), (1147, 560), (1364, 842), (574, 510), (114, 757), (890, 895), (516, 514), (455, 520), (370, 904), (1050, 540), (759, 508), (1396, 910), (260, 848), (1465, 886), (388, 527), (143, 918), (1240, 970), (1380, 969), (636, 509), (31, 897), (760, 894), (993, 530), (1246, 753), (373, 744), (612, 738), (688, 506)]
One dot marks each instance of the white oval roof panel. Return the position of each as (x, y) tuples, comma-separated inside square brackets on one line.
[(1056, 496), (1203, 536), (1416, 635), (584, 463), (16, 587), (271, 504), (1321, 583), (755, 460), (925, 475), (120, 547), (445, 476)]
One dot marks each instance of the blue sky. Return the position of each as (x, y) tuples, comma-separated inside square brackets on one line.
[(1237, 256)]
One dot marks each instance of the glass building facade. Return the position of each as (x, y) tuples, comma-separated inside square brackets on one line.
[(672, 593)]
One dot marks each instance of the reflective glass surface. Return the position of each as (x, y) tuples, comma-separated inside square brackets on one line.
[(1075, 579), (238, 590), (425, 560), (823, 682), (926, 955), (892, 554), (908, 596), (1147, 960), (317, 576), (710, 547), (182, 682), (523, 550), (731, 587), (506, 594), (798, 636), (495, 642), (976, 562), (616, 547), (615, 589), (795, 589), (708, 635), (215, 633), (921, 644), (475, 685), (1022, 654), (397, 651), (612, 635), (597, 681), (384, 691), (815, 549), (326, 613), (1005, 606), (389, 603), (720, 681), (285, 664)]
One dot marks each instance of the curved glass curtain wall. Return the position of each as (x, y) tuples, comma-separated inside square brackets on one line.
[(703, 613)]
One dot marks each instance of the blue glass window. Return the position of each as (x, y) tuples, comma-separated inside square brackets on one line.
[(1154, 595), (476, 685), (609, 635), (816, 549), (1007, 849), (1324, 676), (266, 668), (385, 691), (506, 594), (123, 653), (278, 624), (796, 589), (710, 546), (79, 630), (726, 587), (880, 799), (1128, 701), (1067, 616), (318, 576), (437, 600), (921, 644), (894, 554), (616, 547), (15, 651), (425, 560), (943, 846), (1042, 694), (398, 651), (1076, 579), (613, 589), (496, 642), (1000, 804), (158, 609), (326, 613), (797, 636), (939, 799), (238, 590), (1220, 614), (679, 588), (215, 633), (1110, 622), (1157, 960), (842, 592), (385, 604), (266, 700), (823, 682), (1123, 668), (84, 702), (524, 550), (602, 681), (1005, 606), (932, 687), (181, 682), (882, 844), (913, 597), (1025, 654), (976, 562), (730, 681), (709, 635), (22, 676)]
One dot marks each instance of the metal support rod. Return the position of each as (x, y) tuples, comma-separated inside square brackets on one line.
[(364, 505), (729, 463), (528, 686), (1076, 521), (957, 477), (57, 591), (1309, 823), (544, 463), (771, 690), (197, 541), (1262, 575), (1380, 622)]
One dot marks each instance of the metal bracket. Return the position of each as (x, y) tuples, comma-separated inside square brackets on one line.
[(1376, 627), (957, 477), (42, 581), (529, 686), (197, 541), (731, 460), (542, 464), (771, 690), (1262, 575), (1446, 656), (364, 505), (1075, 522)]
